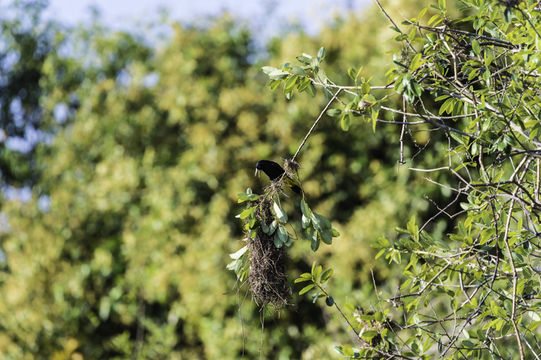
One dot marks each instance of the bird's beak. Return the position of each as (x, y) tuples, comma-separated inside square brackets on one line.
[(256, 172)]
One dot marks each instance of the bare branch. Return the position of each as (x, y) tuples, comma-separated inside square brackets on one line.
[(404, 124), (315, 123), (394, 24)]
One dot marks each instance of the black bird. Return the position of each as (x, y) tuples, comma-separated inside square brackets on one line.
[(275, 172)]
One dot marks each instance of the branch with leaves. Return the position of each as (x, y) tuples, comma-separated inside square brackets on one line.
[(474, 82)]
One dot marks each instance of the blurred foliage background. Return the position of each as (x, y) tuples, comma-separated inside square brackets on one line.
[(133, 155)]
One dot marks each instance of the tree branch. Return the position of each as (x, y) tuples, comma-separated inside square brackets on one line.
[(315, 123)]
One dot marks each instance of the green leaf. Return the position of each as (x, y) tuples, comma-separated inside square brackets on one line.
[(447, 106), (534, 325), (326, 236), (274, 84), (246, 212), (253, 233), (508, 15), (417, 89), (311, 90), (457, 137), (315, 221), (297, 70), (416, 62), (242, 197), (282, 234), (400, 84), (475, 47), (412, 34), (304, 277), (365, 88), (305, 221), (316, 273), (381, 252), (320, 222), (351, 73), (335, 232), (290, 82), (412, 226), (305, 208), (339, 350), (314, 244), (237, 254), (422, 13), (268, 69), (277, 241), (288, 242), (251, 221), (280, 214), (442, 4), (326, 275), (311, 234), (232, 266), (307, 288), (441, 97), (369, 335), (473, 74), (321, 54), (303, 84), (265, 227), (345, 122), (348, 351), (375, 114), (278, 75), (400, 37), (305, 59), (334, 112), (272, 227), (434, 20), (369, 99)]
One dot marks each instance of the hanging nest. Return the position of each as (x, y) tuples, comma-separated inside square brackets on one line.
[(267, 279)]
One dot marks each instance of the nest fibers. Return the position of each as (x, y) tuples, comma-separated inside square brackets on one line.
[(267, 279)]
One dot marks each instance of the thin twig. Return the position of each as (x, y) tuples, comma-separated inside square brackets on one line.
[(530, 347), (404, 125), (428, 119), (514, 271), (537, 182), (442, 37), (383, 353), (351, 87), (444, 29), (394, 24), (440, 211), (315, 123), (420, 292), (440, 117), (429, 170), (528, 20)]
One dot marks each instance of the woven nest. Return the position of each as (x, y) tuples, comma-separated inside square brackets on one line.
[(267, 279)]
